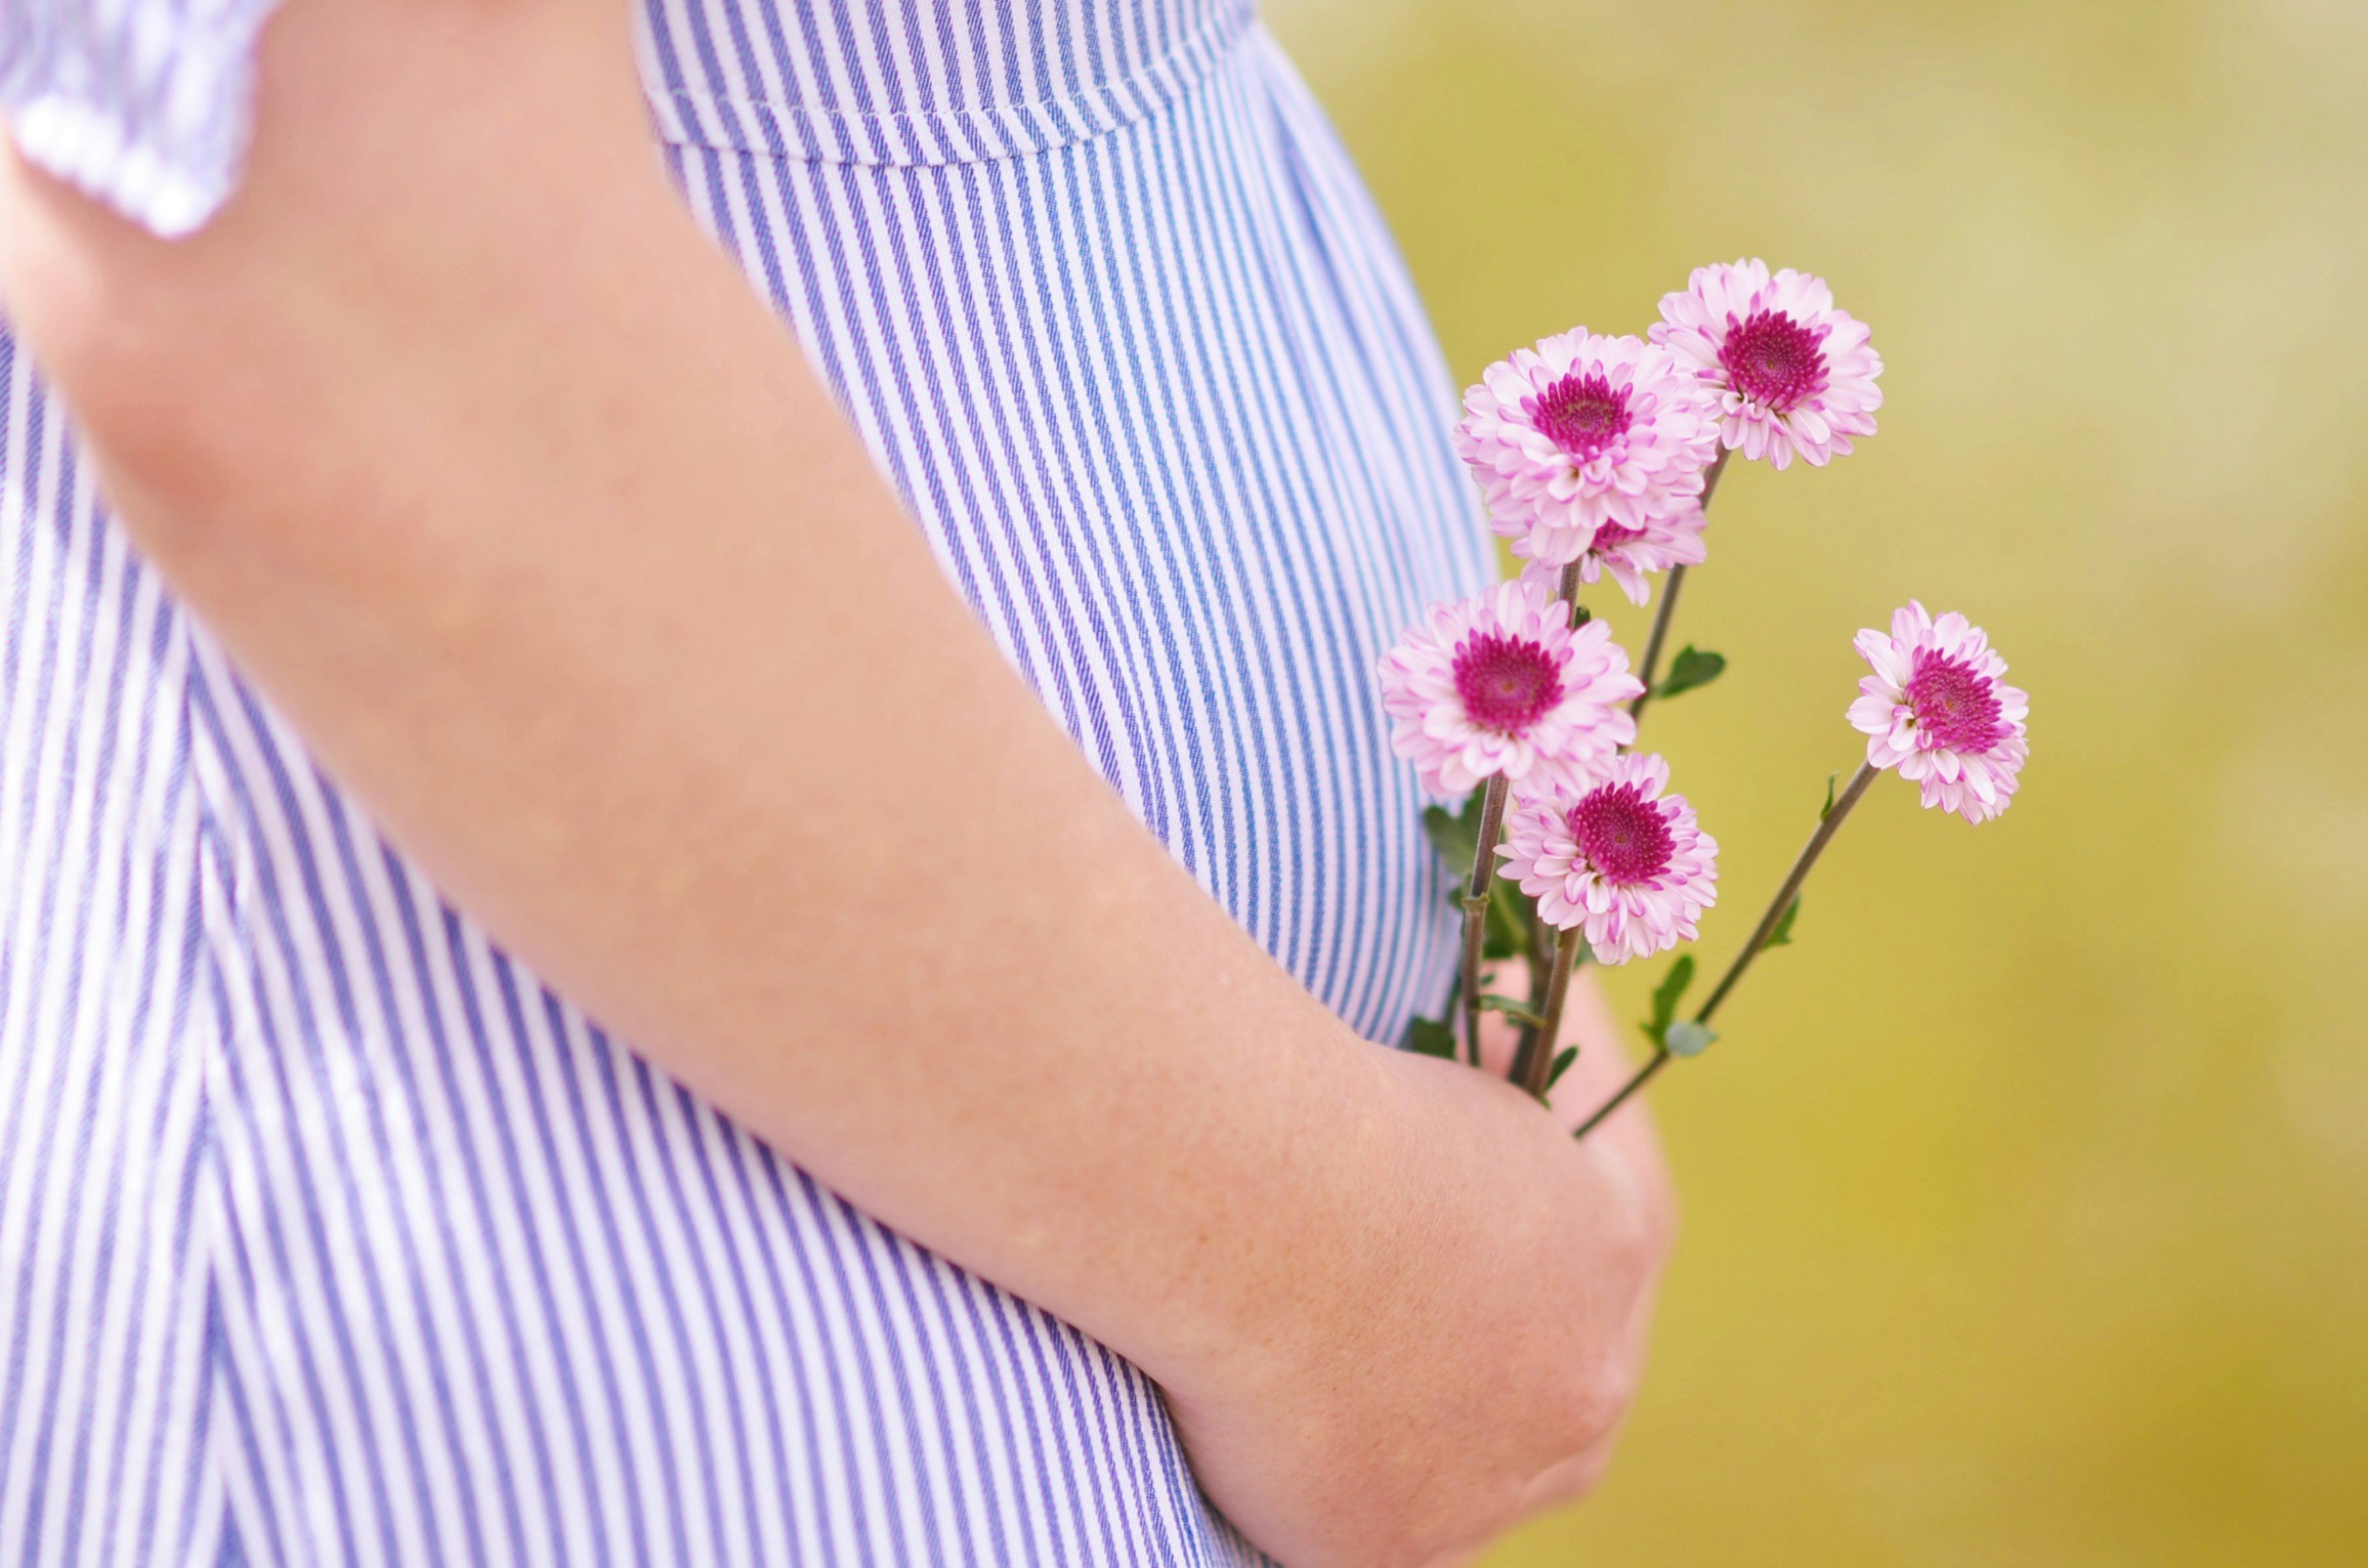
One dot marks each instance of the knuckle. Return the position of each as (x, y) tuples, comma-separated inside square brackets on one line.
[(1614, 1393), (1596, 1400), (1643, 1229), (1636, 1239), (1586, 1474)]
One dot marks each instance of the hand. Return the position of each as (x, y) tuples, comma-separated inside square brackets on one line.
[(1603, 1064), (574, 673), (1420, 1443)]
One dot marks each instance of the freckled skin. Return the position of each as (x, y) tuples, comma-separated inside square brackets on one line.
[(491, 470)]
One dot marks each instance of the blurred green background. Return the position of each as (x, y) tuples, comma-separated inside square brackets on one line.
[(2028, 1196)]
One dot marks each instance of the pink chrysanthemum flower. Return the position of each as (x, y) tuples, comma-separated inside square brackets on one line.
[(1791, 374), (1938, 709), (1583, 433), (1626, 555), (1619, 858), (1500, 683)]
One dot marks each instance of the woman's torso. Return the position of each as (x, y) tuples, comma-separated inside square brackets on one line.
[(326, 1235)]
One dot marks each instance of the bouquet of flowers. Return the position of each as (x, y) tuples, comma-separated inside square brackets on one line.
[(1599, 457)]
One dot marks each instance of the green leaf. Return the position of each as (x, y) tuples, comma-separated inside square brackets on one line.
[(1693, 667), (1664, 1000), (1454, 837), (1430, 1037), (1580, 615), (1553, 1076), (1832, 782), (1688, 1038), (1515, 1008), (1509, 915), (1506, 932), (1782, 936)]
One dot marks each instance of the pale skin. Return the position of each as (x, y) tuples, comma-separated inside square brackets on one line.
[(496, 477)]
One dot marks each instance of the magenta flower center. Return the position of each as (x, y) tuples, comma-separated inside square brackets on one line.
[(1623, 836), (1955, 705), (1580, 413), (1774, 361), (1609, 535), (1507, 683)]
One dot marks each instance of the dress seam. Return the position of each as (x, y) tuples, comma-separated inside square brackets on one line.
[(936, 137), (217, 898)]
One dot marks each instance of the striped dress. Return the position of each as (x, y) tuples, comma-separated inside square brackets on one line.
[(327, 1234)]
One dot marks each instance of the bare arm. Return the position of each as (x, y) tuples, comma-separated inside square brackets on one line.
[(498, 478)]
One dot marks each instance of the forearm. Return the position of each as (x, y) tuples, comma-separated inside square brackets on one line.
[(514, 498), (504, 487)]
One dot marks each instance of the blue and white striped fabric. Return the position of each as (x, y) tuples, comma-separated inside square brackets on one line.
[(327, 1235)]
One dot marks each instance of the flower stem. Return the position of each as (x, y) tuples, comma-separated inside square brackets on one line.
[(1542, 947), (1536, 1061), (1654, 644), (1785, 894), (1642, 1077), (1792, 886), (1541, 978), (1475, 907), (1650, 670)]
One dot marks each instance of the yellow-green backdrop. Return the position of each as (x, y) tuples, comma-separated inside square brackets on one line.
[(2026, 1197)]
